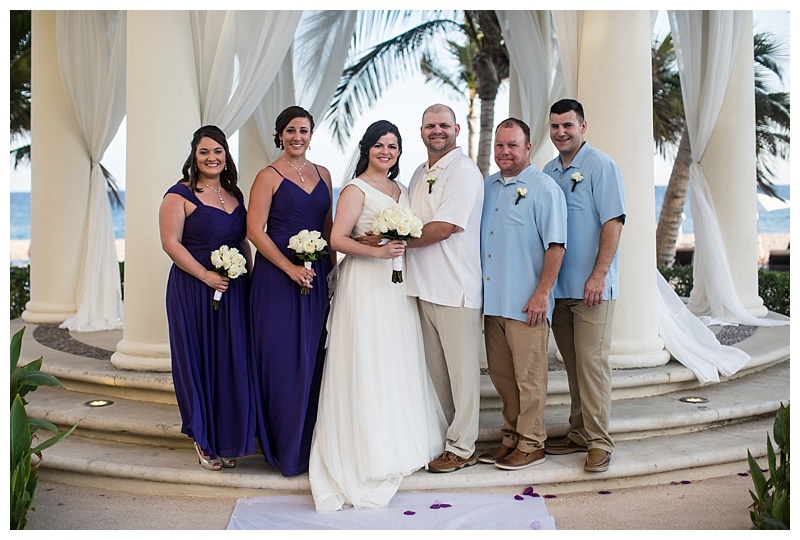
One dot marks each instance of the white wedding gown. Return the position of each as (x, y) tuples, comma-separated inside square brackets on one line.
[(378, 418)]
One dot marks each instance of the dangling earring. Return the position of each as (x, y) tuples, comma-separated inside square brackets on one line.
[(195, 167), (281, 144), (309, 146), (225, 168)]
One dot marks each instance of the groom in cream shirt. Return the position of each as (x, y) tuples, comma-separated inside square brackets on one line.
[(444, 274)]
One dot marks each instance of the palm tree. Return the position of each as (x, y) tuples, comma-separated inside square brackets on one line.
[(363, 82), (20, 78), (461, 84), (772, 130)]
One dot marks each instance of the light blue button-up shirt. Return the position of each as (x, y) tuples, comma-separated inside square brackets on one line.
[(514, 238), (591, 202)]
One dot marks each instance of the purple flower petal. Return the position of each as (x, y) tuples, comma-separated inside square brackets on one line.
[(409, 512), (604, 492), (686, 482), (673, 483), (528, 491), (534, 494), (435, 506), (536, 525), (743, 474), (445, 505), (519, 497), (549, 496)]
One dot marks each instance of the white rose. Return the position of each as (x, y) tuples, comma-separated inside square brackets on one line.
[(216, 258)]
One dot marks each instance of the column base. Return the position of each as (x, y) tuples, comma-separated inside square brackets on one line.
[(755, 306), (134, 356), (44, 313), (640, 353)]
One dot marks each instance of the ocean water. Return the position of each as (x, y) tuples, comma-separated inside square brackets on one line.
[(768, 222)]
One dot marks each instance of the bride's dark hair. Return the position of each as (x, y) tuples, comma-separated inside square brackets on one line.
[(371, 136)]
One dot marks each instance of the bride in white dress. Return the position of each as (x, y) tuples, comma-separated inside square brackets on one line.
[(378, 418)]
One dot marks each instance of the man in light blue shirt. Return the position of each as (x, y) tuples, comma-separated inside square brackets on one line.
[(588, 283), (523, 237)]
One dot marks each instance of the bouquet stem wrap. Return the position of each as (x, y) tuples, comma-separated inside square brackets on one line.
[(397, 264), (217, 298), (304, 289)]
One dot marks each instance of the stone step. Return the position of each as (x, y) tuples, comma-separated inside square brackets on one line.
[(736, 400), (689, 456)]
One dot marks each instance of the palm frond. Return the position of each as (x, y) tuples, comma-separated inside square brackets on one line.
[(363, 82), (112, 188)]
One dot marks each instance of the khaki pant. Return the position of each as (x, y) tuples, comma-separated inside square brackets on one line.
[(583, 336), (517, 357), (452, 339)]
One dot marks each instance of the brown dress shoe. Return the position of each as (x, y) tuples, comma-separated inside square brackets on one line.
[(562, 446), (449, 462), (519, 460), (498, 453), (597, 460)]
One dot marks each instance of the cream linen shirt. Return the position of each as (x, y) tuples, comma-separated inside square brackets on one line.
[(448, 273)]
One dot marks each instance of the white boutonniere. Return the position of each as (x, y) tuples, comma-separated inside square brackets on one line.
[(521, 194), (431, 180), (576, 177)]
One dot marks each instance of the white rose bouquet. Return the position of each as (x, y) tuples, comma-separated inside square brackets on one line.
[(397, 222), (227, 262), (308, 246)]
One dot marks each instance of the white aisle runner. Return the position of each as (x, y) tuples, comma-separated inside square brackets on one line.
[(412, 510)]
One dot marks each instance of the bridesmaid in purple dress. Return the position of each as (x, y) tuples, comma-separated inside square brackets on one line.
[(210, 348), (288, 329)]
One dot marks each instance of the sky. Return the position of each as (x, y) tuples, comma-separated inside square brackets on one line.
[(403, 105)]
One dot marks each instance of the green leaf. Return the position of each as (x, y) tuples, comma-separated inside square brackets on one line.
[(16, 347), (39, 378), (38, 422), (20, 432), (54, 440), (781, 427), (759, 481)]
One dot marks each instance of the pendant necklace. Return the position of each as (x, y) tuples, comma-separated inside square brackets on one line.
[(391, 186), (295, 168), (217, 191)]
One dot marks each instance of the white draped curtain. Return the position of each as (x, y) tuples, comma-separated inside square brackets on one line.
[(91, 56), (705, 47), (310, 72), (529, 38), (568, 33), (237, 55)]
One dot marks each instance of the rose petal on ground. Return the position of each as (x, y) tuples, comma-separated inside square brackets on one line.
[(519, 497), (409, 512)]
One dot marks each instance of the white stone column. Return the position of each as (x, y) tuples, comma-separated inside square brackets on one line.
[(59, 184), (730, 166), (615, 90), (162, 113), (252, 156)]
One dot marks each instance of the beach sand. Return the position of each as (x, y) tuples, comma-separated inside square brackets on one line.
[(767, 243)]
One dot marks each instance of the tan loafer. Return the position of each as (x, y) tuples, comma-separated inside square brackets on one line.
[(519, 460), (498, 453), (597, 460)]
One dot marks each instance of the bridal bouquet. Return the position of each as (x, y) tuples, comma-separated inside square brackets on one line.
[(227, 262), (308, 246), (397, 222)]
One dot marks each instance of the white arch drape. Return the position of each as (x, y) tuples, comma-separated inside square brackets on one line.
[(237, 56), (91, 55), (529, 38), (310, 72), (568, 34), (705, 47)]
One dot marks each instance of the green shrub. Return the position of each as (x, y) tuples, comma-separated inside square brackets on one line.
[(770, 508), (20, 289), (21, 293), (773, 286), (24, 467)]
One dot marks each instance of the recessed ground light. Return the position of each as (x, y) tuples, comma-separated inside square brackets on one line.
[(693, 399), (99, 403)]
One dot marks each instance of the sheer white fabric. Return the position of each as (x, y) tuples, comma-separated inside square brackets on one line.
[(534, 54), (705, 63), (309, 73), (91, 56), (237, 55), (568, 33), (690, 342)]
